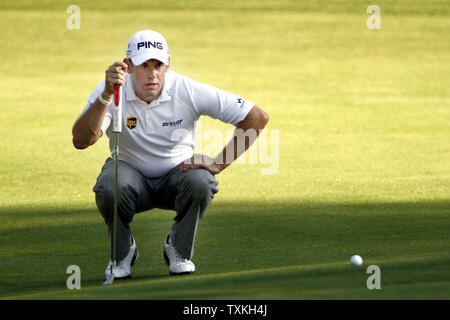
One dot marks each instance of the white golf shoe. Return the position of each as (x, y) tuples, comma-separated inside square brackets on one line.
[(122, 270), (177, 264)]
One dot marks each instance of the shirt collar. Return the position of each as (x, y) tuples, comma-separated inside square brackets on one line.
[(166, 92)]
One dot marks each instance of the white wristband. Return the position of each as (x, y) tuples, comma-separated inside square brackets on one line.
[(103, 101)]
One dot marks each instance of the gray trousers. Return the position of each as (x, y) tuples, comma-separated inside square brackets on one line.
[(189, 193)]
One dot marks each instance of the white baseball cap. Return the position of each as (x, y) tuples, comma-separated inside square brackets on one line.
[(147, 44)]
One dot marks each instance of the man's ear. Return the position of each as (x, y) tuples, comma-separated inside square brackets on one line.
[(168, 64), (129, 64)]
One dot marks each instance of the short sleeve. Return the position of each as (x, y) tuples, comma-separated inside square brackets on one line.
[(218, 104)]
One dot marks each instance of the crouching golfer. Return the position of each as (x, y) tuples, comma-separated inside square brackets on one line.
[(157, 167)]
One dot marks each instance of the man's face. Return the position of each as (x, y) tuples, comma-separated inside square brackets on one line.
[(148, 79)]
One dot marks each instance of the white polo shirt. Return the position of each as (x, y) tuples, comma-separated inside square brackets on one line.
[(158, 136)]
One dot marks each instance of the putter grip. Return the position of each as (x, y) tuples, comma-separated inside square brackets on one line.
[(117, 115), (116, 95)]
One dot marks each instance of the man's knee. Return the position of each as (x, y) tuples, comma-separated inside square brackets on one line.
[(104, 194), (200, 183), (104, 197)]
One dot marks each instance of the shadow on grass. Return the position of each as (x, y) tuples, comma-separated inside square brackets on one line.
[(232, 237)]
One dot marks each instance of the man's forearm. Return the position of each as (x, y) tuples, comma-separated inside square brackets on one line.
[(247, 131), (86, 129), (240, 143)]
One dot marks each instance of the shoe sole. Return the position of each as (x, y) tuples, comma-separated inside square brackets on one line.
[(133, 261), (166, 258)]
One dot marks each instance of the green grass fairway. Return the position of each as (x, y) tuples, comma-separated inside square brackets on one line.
[(364, 149)]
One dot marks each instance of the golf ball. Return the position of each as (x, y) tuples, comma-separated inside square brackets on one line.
[(356, 260)]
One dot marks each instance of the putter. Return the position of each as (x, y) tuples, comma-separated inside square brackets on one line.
[(117, 128)]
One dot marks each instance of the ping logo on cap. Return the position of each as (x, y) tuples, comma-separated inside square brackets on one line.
[(148, 44), (131, 123)]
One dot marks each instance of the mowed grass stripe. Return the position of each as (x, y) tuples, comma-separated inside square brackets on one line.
[(274, 235), (323, 281)]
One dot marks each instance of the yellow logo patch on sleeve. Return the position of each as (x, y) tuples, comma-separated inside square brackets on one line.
[(131, 122)]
